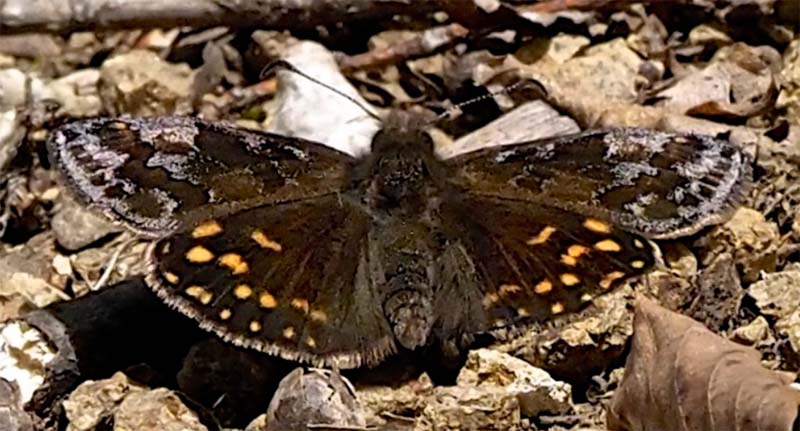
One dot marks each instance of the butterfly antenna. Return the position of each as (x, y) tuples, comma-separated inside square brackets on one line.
[(285, 65), (505, 90)]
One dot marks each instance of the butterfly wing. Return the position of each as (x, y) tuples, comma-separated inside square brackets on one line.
[(533, 262), (659, 184), (547, 226), (154, 173), (290, 279), (254, 240)]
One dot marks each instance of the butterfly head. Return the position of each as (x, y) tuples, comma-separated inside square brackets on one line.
[(403, 131)]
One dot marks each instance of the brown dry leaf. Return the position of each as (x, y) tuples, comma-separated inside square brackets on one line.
[(681, 376)]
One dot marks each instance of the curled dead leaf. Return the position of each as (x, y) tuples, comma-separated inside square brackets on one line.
[(681, 376)]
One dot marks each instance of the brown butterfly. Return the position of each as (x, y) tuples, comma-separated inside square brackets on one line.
[(295, 249)]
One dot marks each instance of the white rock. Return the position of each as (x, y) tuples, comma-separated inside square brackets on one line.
[(536, 391)]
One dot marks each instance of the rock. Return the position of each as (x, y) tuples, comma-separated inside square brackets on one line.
[(608, 71), (536, 391), (531, 121), (789, 97), (718, 294), (340, 123), (141, 83), (75, 226), (12, 123), (12, 416), (778, 296), (580, 345), (158, 409), (465, 408), (320, 397), (77, 93), (128, 406), (735, 83), (396, 406), (754, 333), (94, 401), (27, 271), (494, 391), (24, 354), (750, 238)]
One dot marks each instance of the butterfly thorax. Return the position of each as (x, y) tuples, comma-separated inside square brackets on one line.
[(401, 174)]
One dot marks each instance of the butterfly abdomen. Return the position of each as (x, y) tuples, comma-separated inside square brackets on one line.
[(406, 280)]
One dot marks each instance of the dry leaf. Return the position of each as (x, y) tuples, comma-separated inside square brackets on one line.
[(681, 376)]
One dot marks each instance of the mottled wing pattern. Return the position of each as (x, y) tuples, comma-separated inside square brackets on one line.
[(288, 279), (659, 184), (549, 225), (154, 173)]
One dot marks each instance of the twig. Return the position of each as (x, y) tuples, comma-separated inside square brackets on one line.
[(550, 6), (339, 427), (397, 417), (425, 43), (112, 263), (19, 16)]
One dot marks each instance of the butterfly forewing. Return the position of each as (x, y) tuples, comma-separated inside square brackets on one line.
[(288, 279), (658, 184), (153, 173)]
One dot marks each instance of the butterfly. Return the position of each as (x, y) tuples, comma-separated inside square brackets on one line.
[(295, 249)]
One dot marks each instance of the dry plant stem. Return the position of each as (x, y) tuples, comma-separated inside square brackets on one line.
[(550, 6), (20, 16), (442, 37)]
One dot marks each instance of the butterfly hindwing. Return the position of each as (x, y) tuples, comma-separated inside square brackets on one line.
[(659, 184), (153, 173), (289, 279), (534, 263)]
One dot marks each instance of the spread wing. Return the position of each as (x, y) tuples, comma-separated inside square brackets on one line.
[(155, 173), (254, 241), (290, 279), (546, 226), (662, 185)]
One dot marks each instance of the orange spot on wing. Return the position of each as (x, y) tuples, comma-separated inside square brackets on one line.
[(608, 245), (267, 301), (205, 229), (234, 262), (300, 304), (507, 289), (542, 236), (242, 291), (596, 225), (609, 278), (577, 250), (544, 286), (569, 279), (199, 254), (263, 240)]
